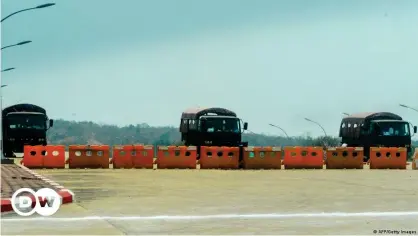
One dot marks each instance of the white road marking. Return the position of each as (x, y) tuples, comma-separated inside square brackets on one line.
[(215, 217)]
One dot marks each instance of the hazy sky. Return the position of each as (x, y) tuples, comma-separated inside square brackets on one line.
[(271, 61)]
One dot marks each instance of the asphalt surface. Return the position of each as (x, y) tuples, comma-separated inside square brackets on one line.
[(120, 199)]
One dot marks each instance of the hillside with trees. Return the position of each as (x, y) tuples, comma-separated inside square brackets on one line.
[(71, 132)]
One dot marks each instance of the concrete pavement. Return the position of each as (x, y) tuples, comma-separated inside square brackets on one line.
[(125, 196), (15, 177)]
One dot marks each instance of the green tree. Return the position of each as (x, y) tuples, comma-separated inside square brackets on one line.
[(71, 132)]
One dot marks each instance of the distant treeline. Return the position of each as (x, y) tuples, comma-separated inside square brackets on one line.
[(71, 132)]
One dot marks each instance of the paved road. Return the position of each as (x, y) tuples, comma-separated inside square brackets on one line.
[(14, 177), (139, 193)]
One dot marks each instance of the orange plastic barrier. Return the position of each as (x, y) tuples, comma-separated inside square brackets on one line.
[(54, 156), (415, 160), (32, 156), (122, 157), (303, 158), (50, 156), (345, 158), (144, 157), (262, 158), (133, 156), (176, 157), (388, 158), (219, 157), (88, 156)]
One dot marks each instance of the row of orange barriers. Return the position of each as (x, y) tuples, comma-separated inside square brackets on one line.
[(183, 157)]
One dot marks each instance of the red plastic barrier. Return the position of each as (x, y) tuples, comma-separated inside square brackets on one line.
[(144, 157), (262, 158), (388, 158), (345, 158), (219, 157), (133, 156), (88, 156), (55, 156), (303, 158), (32, 156), (49, 156), (122, 156), (176, 157)]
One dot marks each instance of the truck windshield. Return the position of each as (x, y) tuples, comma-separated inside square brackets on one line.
[(222, 125), (36, 122), (393, 128)]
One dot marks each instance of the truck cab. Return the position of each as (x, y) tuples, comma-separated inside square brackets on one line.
[(24, 124), (212, 127), (377, 129)]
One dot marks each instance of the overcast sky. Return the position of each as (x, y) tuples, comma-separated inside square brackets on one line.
[(271, 61)]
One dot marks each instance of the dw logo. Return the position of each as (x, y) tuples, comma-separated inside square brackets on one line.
[(47, 202)]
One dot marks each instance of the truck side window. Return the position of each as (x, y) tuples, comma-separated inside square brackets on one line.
[(343, 130), (356, 129), (375, 129), (371, 128), (349, 130), (363, 130), (183, 124)]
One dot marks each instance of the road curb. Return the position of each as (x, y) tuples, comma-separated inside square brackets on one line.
[(67, 196)]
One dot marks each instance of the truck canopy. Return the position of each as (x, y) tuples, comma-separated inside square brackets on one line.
[(351, 125), (24, 107), (190, 116), (368, 116), (195, 113)]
